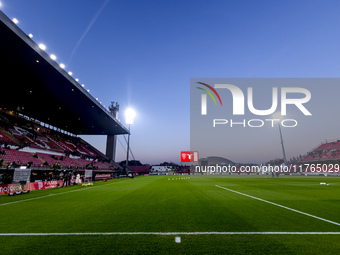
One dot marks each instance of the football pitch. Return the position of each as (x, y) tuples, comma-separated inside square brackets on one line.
[(204, 214)]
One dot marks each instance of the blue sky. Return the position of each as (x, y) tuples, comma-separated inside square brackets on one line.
[(142, 54)]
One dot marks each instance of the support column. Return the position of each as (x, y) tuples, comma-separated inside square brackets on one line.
[(111, 144)]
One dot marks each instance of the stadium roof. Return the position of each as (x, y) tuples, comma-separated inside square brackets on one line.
[(36, 86), (217, 160)]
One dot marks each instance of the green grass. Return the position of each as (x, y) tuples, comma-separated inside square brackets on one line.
[(157, 204)]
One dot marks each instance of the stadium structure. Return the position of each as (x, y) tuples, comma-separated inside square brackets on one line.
[(327, 152), (215, 160), (43, 110)]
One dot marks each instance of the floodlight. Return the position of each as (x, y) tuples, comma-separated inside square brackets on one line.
[(277, 115), (130, 114), (42, 46), (53, 57)]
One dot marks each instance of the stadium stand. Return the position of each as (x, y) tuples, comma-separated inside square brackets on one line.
[(136, 167), (328, 151), (48, 148), (44, 110), (140, 169), (19, 158), (182, 169), (4, 137)]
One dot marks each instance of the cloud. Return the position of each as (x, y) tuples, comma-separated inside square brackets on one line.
[(88, 28)]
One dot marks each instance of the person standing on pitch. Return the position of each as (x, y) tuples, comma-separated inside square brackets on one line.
[(78, 178), (69, 176), (65, 179)]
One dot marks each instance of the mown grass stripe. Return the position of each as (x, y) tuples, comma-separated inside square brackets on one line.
[(282, 206), (61, 193)]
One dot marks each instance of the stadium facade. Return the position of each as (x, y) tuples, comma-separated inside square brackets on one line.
[(35, 86), (43, 110), (213, 160)]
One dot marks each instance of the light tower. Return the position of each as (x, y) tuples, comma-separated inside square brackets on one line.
[(130, 116), (279, 117)]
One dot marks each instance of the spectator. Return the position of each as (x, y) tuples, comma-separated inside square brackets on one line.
[(69, 177), (65, 178), (78, 178)]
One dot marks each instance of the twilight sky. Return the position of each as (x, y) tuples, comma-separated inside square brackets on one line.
[(142, 54)]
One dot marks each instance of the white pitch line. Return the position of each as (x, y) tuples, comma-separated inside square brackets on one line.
[(282, 206), (80, 189), (168, 233)]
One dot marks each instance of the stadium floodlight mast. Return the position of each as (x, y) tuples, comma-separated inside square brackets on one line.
[(130, 115), (278, 116)]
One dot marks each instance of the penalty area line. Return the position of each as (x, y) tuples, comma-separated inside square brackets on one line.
[(282, 206), (168, 233)]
